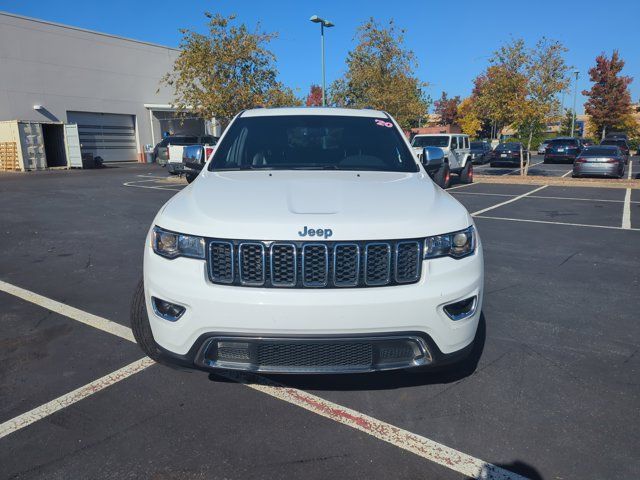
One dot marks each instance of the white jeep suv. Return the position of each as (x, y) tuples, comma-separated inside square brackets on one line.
[(457, 151), (312, 241)]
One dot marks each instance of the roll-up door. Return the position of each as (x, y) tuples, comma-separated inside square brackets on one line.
[(107, 135)]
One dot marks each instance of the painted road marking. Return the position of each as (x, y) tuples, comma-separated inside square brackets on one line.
[(506, 202), (518, 169), (68, 311), (548, 222), (460, 186), (626, 210), (133, 184), (545, 197), (49, 408), (411, 442), (566, 174)]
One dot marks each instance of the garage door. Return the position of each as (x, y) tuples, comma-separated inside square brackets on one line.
[(107, 135)]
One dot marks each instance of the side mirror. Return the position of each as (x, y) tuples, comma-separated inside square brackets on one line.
[(432, 158), (193, 157)]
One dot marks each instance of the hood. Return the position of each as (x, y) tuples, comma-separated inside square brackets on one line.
[(277, 205)]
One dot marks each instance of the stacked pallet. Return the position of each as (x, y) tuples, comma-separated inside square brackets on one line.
[(9, 156)]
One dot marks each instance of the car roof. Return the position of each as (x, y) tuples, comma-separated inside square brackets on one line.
[(319, 111)]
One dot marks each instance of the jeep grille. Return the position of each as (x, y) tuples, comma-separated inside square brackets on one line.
[(314, 264)]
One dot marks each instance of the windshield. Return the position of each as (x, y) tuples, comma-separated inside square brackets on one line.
[(431, 141), (563, 143), (313, 142), (182, 140), (597, 151)]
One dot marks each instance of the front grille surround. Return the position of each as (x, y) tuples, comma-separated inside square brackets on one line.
[(330, 264)]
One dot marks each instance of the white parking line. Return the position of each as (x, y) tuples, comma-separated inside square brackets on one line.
[(49, 408), (514, 199), (545, 197), (518, 169), (411, 442), (568, 173), (626, 210), (548, 222), (461, 186), (76, 314), (131, 184)]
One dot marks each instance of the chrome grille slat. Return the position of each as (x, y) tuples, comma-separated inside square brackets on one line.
[(330, 264), (251, 263), (406, 262), (377, 263), (221, 262), (346, 264), (315, 265), (283, 265)]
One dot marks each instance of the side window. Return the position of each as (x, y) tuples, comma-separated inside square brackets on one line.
[(454, 142), (466, 142)]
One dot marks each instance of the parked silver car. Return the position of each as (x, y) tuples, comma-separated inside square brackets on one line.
[(543, 146), (600, 160)]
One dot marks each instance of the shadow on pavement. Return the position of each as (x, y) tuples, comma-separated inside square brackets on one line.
[(518, 467), (378, 380)]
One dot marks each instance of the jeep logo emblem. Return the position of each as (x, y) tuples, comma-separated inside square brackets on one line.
[(315, 232)]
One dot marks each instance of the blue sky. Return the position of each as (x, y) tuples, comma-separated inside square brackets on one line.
[(452, 40)]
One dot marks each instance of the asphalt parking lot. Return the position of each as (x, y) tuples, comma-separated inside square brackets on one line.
[(537, 168), (551, 390)]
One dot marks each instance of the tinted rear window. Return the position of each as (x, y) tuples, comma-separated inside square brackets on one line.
[(313, 142), (563, 142), (618, 143), (433, 141), (508, 146), (594, 151), (477, 145), (183, 140)]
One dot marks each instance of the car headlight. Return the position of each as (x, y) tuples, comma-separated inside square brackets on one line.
[(456, 244), (172, 245)]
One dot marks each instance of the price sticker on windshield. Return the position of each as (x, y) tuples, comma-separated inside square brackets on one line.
[(382, 123)]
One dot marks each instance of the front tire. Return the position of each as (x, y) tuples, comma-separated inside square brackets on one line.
[(140, 324), (466, 175), (443, 176)]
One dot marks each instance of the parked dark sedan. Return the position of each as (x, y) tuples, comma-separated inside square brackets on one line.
[(508, 154), (600, 160), (480, 152), (563, 150), (621, 143)]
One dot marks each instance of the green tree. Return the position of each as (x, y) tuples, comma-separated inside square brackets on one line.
[(609, 100), (565, 123), (380, 75), (226, 70)]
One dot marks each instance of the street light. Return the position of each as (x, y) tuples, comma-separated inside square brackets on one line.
[(575, 89), (323, 23)]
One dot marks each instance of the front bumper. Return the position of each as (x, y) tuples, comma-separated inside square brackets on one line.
[(309, 315)]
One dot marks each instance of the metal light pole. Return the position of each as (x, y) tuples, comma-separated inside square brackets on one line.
[(323, 23), (575, 90)]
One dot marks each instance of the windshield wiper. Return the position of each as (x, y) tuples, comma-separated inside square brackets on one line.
[(317, 167)]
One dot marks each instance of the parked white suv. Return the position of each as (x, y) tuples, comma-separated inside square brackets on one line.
[(456, 148), (312, 241)]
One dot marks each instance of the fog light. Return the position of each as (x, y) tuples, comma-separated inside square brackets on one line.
[(167, 310), (462, 309)]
